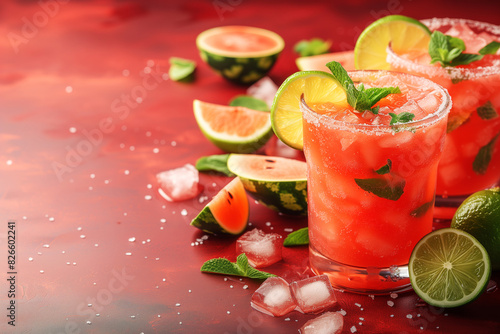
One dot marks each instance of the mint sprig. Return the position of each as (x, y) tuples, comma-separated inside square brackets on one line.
[(448, 51), (359, 98), (238, 268), (297, 238)]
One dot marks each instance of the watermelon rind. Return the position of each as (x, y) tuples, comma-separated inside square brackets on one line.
[(206, 220), (282, 194), (242, 68), (233, 144)]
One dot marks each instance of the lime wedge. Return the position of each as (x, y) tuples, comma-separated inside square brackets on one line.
[(449, 268), (317, 87), (404, 33)]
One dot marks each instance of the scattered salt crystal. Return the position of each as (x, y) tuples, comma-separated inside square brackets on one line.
[(228, 312), (126, 172), (394, 295), (79, 228), (314, 294), (92, 176), (82, 236), (357, 304), (178, 304), (262, 249), (327, 323), (51, 219), (390, 303), (392, 315), (184, 212), (41, 271), (131, 239), (46, 246), (353, 329), (361, 318), (30, 259), (409, 316), (288, 229), (273, 297), (287, 319), (72, 129), (148, 197), (343, 312), (179, 184), (128, 253), (245, 286)]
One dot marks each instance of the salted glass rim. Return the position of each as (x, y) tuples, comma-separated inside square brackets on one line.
[(459, 73), (357, 76)]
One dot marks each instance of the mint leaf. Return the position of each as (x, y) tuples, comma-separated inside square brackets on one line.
[(490, 48), (456, 43), (421, 210), (487, 111), (403, 117), (438, 47), (249, 102), (217, 163), (385, 169), (483, 157), (221, 266), (465, 58), (181, 69), (297, 238), (383, 188), (315, 46), (359, 98), (240, 268)]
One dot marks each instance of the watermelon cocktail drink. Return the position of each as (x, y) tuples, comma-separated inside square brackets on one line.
[(371, 184), (471, 158)]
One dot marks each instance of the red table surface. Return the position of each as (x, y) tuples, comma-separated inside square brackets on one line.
[(78, 159)]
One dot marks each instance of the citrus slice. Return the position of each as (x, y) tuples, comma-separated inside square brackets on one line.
[(232, 128), (226, 213), (317, 87), (403, 33), (318, 62), (276, 182), (449, 268)]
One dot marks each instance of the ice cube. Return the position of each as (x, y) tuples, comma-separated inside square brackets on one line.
[(313, 295), (273, 297), (179, 184), (264, 89), (327, 323), (262, 249)]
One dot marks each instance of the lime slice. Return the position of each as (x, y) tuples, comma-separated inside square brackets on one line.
[(317, 87), (449, 268), (404, 33)]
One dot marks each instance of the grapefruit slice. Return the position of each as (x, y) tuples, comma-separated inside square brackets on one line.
[(240, 54), (318, 63), (226, 213), (232, 128), (278, 183)]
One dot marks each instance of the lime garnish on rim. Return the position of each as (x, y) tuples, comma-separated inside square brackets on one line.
[(403, 33), (449, 268)]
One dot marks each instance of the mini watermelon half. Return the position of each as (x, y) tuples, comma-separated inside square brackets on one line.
[(226, 213), (233, 129), (238, 53), (276, 182)]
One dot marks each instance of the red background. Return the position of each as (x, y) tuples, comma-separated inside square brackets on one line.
[(65, 68)]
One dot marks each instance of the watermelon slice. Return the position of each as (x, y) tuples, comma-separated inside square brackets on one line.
[(232, 128), (276, 182), (318, 63), (240, 54), (226, 213)]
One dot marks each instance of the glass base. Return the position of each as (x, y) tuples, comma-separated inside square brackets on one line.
[(370, 280)]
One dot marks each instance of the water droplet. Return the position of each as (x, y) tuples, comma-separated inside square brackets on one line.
[(30, 259), (83, 236), (128, 253), (148, 197), (131, 239), (41, 271), (69, 89)]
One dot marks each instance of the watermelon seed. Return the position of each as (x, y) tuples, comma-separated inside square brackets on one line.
[(230, 195), (269, 160)]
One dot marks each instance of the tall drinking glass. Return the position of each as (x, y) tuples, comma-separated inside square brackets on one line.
[(371, 185), (471, 158)]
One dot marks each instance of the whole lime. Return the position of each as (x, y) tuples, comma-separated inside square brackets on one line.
[(479, 215)]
